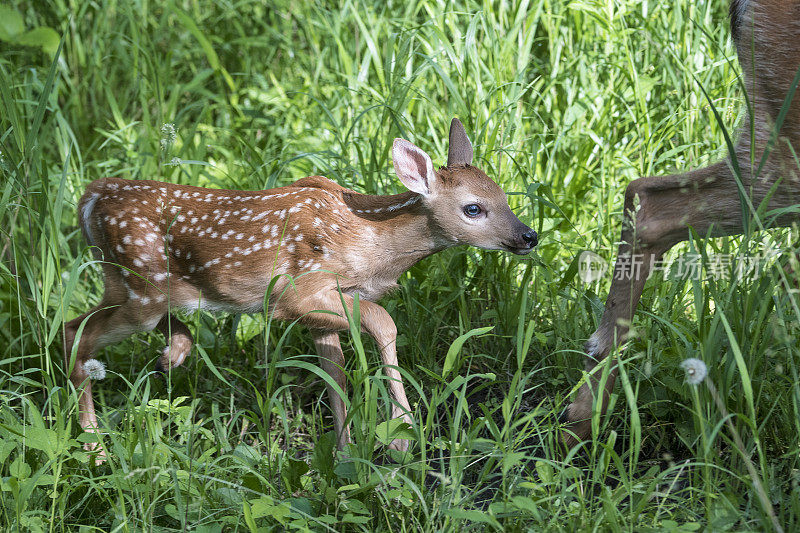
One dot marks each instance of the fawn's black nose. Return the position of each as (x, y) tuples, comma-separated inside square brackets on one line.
[(530, 238)]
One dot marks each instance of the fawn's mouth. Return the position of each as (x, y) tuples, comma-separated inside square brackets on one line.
[(525, 250)]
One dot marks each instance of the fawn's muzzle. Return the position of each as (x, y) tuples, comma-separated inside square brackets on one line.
[(523, 242)]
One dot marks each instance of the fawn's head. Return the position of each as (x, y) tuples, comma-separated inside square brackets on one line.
[(463, 203)]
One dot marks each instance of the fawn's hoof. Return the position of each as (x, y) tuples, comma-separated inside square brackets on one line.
[(96, 452), (401, 445), (173, 355)]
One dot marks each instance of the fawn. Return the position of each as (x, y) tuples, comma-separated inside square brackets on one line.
[(165, 247), (709, 199)]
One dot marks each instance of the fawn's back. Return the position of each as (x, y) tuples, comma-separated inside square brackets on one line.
[(219, 249)]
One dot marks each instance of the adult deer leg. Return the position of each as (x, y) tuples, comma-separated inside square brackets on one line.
[(658, 211)]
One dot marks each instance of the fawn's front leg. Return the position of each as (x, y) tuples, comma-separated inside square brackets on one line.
[(301, 302), (379, 324)]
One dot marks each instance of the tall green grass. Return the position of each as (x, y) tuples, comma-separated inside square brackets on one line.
[(566, 102)]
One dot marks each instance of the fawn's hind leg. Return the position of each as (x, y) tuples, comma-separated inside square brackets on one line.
[(104, 325), (331, 358)]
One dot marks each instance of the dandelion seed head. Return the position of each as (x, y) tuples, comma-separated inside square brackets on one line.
[(167, 135), (95, 369), (695, 369)]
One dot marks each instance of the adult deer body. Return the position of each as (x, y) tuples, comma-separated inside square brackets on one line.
[(167, 247), (767, 37)]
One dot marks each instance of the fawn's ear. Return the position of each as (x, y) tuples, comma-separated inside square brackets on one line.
[(413, 167), (459, 151)]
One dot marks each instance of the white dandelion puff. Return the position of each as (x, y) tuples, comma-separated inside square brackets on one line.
[(695, 369), (95, 369)]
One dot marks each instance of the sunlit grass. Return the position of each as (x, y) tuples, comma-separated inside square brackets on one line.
[(565, 104)]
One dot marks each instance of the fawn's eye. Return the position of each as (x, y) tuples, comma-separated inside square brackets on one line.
[(472, 210)]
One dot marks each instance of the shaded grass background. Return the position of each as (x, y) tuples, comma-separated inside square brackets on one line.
[(566, 102)]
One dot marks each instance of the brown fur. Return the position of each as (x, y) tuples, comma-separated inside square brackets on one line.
[(167, 246), (706, 199)]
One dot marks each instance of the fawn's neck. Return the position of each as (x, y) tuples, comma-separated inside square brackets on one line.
[(401, 231)]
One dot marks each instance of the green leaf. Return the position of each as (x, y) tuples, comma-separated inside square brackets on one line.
[(455, 348), (472, 516), (265, 506), (545, 471), (511, 460), (10, 23), (396, 428), (355, 519), (6, 447), (292, 472), (43, 439), (19, 468), (322, 459), (45, 38), (248, 517)]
